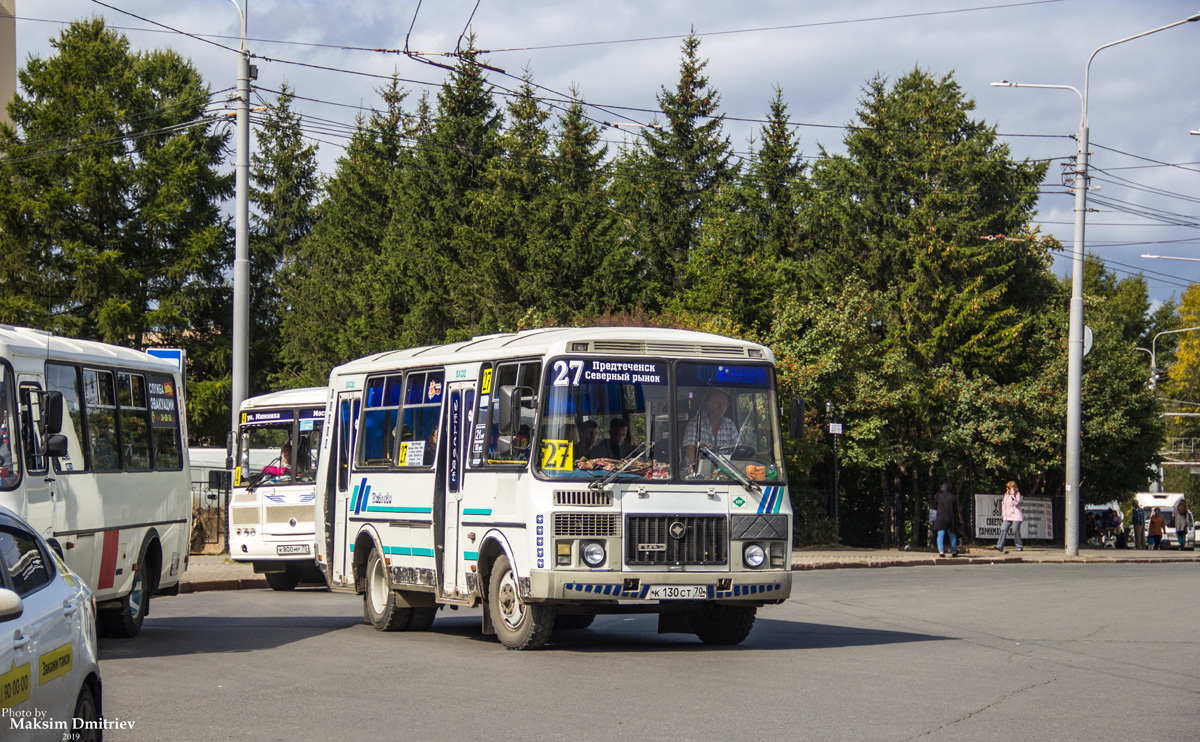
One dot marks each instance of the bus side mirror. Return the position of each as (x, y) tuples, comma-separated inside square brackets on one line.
[(56, 445), (219, 479), (509, 409), (796, 424), (229, 450), (52, 413)]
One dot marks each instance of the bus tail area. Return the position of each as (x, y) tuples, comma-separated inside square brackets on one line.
[(92, 455), (555, 475), (274, 491)]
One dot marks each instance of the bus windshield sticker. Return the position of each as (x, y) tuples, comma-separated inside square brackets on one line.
[(163, 411), (576, 371), (265, 417), (558, 455)]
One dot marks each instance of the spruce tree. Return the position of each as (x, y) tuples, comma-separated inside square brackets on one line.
[(110, 219), (340, 305), (666, 185), (433, 240)]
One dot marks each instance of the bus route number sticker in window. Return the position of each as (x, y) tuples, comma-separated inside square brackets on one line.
[(564, 368), (557, 455)]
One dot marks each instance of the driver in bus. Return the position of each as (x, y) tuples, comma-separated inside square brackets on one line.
[(712, 428), (284, 466)]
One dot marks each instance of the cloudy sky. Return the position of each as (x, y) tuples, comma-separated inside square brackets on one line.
[(619, 53)]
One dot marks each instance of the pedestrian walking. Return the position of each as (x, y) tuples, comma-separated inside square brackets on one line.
[(1183, 522), (1158, 528), (1013, 514), (1137, 516), (945, 502)]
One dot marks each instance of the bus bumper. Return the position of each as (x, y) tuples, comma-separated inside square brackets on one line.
[(271, 551), (742, 587)]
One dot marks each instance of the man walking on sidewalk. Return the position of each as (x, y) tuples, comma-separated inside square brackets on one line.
[(1137, 516)]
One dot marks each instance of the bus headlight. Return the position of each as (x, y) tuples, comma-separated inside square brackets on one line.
[(593, 553), (753, 556)]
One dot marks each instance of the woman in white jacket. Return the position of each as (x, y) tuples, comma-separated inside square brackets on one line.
[(1013, 515)]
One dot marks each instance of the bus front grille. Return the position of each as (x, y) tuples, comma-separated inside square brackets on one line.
[(583, 498), (285, 513), (244, 516), (587, 525), (649, 539)]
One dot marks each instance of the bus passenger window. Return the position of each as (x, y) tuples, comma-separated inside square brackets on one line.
[(135, 424), (422, 412), (164, 420), (381, 409), (101, 408)]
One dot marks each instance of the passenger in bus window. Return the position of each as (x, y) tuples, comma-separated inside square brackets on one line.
[(8, 472), (617, 445), (5, 444), (587, 438), (431, 447)]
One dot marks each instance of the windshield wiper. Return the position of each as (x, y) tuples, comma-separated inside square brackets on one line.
[(729, 468), (633, 457)]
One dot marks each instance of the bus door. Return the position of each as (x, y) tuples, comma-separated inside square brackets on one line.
[(338, 531), (458, 424), (25, 435), (78, 505)]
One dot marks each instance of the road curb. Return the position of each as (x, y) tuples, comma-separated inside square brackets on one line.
[(204, 586), (984, 559)]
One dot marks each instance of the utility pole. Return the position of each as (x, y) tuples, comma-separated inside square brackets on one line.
[(241, 254), (1075, 327), (8, 56)]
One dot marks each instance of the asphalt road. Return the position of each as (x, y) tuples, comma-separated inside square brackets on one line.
[(978, 652)]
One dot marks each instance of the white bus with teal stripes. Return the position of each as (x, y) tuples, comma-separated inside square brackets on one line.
[(273, 498), (556, 474), (93, 455)]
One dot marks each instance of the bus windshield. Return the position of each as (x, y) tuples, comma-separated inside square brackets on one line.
[(279, 446), (601, 418)]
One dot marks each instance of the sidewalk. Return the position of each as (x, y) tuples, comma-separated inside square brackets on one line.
[(217, 572)]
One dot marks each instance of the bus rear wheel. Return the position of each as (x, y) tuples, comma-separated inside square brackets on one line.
[(723, 625), (379, 602), (519, 625), (126, 619)]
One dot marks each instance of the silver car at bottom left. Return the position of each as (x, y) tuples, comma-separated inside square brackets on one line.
[(49, 673)]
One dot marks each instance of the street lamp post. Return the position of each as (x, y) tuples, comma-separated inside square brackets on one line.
[(1075, 329), (835, 429), (1154, 351), (240, 373)]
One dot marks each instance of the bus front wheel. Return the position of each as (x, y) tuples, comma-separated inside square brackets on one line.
[(284, 581), (724, 625), (519, 625), (379, 602)]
